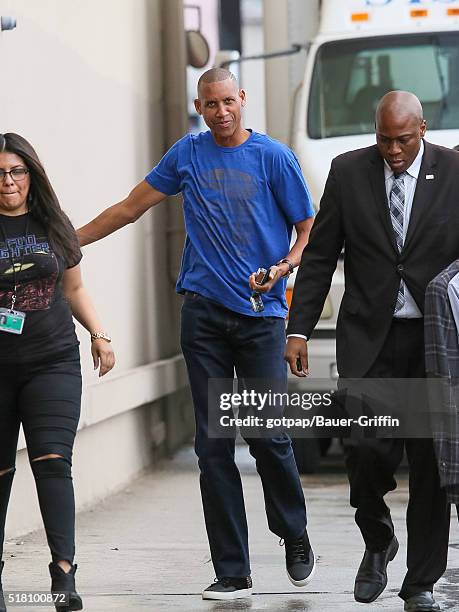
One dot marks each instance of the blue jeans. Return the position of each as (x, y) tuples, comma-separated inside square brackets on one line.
[(216, 340)]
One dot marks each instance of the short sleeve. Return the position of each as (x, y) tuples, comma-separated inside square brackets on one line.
[(289, 187), (165, 177), (74, 260)]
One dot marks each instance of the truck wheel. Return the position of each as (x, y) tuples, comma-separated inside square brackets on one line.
[(307, 454)]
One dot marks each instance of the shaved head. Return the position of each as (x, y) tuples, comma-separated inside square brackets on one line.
[(399, 104), (220, 103), (400, 127), (214, 75)]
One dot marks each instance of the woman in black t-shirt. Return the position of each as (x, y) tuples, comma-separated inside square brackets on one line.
[(40, 378)]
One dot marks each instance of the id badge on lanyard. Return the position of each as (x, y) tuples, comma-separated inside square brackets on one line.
[(11, 321)]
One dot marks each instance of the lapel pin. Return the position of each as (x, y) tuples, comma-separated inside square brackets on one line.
[(430, 177)]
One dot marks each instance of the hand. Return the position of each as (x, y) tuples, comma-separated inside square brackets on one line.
[(296, 353), (275, 274), (102, 355)]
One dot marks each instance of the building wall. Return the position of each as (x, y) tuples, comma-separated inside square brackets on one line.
[(286, 23), (83, 81), (253, 71), (85, 87)]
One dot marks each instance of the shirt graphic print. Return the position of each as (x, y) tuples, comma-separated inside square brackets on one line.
[(36, 277)]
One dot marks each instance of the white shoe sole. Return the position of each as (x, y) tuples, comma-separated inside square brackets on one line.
[(240, 594), (302, 583)]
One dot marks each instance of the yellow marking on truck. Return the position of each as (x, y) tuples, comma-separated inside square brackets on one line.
[(360, 17)]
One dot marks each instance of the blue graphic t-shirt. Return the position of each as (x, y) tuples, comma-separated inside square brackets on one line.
[(240, 204)]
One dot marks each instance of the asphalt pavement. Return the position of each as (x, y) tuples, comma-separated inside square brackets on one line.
[(146, 548)]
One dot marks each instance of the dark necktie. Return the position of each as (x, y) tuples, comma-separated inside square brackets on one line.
[(397, 208)]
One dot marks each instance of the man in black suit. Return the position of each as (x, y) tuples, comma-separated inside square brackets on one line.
[(394, 207)]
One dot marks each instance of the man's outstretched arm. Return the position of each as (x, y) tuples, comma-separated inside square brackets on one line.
[(141, 199)]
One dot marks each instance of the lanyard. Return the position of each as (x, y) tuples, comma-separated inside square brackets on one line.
[(12, 259)]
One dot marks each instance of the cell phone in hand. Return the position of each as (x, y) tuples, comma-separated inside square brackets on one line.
[(261, 277)]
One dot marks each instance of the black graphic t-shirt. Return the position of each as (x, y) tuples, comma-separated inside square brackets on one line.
[(48, 328)]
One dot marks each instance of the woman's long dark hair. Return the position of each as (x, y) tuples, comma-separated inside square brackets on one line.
[(43, 203)]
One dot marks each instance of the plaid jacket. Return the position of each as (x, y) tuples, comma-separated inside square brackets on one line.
[(442, 361)]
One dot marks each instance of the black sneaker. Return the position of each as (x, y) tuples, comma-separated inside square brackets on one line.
[(300, 560), (229, 588)]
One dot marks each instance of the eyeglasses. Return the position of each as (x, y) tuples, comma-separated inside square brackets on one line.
[(17, 174)]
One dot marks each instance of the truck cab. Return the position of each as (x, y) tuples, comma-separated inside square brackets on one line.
[(363, 50)]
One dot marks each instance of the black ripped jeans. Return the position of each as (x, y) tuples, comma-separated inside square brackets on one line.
[(45, 398)]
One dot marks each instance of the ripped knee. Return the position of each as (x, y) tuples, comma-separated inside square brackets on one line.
[(51, 466)]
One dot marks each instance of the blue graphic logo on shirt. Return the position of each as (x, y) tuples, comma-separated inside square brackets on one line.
[(23, 245)]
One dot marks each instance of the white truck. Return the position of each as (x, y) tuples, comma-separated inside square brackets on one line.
[(361, 50)]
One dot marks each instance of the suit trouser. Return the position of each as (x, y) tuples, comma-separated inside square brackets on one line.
[(371, 465), (216, 340)]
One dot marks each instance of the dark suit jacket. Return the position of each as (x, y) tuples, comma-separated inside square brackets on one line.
[(354, 213)]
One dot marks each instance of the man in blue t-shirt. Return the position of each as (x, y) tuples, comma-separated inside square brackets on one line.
[(242, 194)]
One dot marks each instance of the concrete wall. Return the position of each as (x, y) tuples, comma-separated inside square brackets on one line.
[(252, 72), (285, 23), (84, 82)]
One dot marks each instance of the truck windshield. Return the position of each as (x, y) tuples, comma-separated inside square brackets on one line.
[(351, 76)]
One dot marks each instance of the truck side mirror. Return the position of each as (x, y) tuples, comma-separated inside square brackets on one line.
[(197, 47)]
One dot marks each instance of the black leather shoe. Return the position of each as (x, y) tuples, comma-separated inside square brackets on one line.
[(421, 602), (371, 579), (2, 599), (63, 587)]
